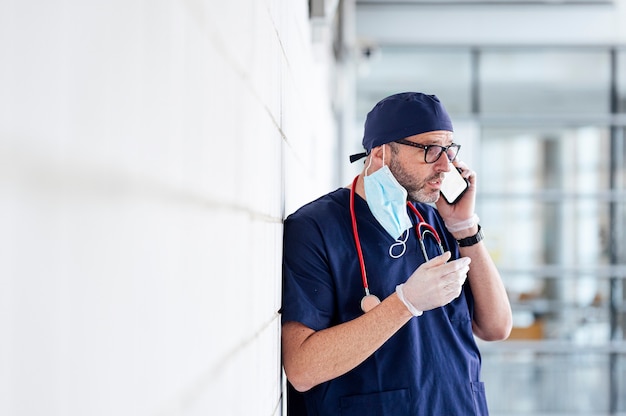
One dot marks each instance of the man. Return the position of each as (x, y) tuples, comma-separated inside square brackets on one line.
[(378, 317)]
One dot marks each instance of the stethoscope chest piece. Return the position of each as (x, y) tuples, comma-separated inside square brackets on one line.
[(369, 302)]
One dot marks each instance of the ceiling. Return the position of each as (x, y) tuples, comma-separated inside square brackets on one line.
[(495, 22), (434, 46)]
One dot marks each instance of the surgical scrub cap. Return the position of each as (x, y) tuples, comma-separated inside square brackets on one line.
[(403, 115)]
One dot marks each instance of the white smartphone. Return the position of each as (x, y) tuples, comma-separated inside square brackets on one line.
[(453, 186)]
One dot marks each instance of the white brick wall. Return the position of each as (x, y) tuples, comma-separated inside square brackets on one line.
[(148, 153)]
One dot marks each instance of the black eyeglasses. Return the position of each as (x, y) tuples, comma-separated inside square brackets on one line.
[(432, 152)]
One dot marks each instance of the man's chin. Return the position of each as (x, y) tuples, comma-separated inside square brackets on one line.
[(424, 197)]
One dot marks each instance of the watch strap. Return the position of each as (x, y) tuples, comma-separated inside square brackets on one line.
[(474, 239)]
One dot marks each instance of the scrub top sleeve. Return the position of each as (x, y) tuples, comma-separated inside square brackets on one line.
[(308, 288)]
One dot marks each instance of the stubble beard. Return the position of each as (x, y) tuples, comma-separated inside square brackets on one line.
[(417, 190)]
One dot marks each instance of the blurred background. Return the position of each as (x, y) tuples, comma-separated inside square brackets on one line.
[(149, 151)]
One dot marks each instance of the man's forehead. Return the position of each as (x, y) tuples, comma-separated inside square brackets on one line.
[(432, 137)]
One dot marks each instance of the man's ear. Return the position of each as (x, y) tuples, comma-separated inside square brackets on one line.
[(377, 156)]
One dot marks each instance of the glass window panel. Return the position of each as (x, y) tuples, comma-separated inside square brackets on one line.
[(621, 384), (545, 205), (620, 157), (546, 382), (621, 81), (540, 159), (574, 307), (555, 267), (546, 187), (545, 82), (619, 228)]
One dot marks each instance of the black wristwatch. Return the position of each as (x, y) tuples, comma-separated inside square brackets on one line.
[(470, 241)]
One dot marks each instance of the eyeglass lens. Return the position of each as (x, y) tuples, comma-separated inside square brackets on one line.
[(433, 153)]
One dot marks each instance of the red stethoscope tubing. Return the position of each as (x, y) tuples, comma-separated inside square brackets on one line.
[(357, 240)]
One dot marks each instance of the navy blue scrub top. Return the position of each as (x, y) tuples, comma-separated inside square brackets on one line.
[(431, 366)]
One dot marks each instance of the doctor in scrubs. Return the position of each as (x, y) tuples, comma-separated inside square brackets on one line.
[(386, 284)]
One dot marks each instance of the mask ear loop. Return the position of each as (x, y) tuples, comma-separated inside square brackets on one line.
[(370, 162), (368, 165)]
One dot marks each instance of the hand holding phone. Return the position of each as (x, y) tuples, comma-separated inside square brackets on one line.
[(453, 186)]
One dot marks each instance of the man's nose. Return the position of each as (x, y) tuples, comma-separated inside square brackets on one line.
[(443, 164)]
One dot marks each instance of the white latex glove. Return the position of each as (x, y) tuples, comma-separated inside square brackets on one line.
[(434, 284)]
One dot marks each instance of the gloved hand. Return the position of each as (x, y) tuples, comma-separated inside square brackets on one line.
[(434, 284), (462, 213)]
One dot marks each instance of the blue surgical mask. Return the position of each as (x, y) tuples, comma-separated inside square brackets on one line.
[(386, 199)]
